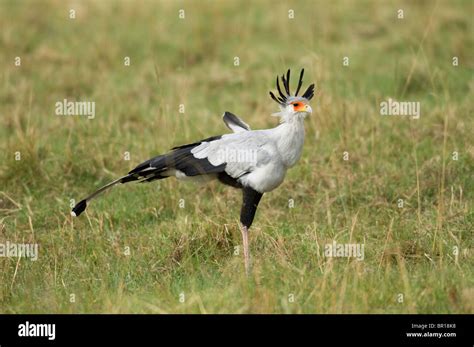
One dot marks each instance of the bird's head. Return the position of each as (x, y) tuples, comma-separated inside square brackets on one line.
[(293, 106)]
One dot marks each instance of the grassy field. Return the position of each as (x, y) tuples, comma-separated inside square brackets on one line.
[(139, 250)]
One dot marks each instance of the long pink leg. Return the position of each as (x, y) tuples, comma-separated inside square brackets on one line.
[(245, 238)]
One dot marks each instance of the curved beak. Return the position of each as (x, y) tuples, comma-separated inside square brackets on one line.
[(308, 109)]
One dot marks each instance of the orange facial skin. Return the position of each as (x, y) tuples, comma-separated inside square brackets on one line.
[(298, 106)]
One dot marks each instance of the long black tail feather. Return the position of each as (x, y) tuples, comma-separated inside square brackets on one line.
[(81, 205), (180, 158)]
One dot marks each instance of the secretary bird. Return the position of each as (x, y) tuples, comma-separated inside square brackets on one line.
[(254, 161)]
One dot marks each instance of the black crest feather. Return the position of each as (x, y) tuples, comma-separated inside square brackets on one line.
[(282, 98), (309, 93)]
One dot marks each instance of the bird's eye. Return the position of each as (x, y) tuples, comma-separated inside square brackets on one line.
[(296, 104)]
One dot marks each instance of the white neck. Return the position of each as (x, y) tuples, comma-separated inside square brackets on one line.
[(290, 138)]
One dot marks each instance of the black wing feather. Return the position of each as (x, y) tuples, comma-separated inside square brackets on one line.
[(180, 158)]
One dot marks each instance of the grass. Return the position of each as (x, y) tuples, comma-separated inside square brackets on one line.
[(183, 259)]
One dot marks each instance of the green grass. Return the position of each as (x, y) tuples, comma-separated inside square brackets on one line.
[(190, 250)]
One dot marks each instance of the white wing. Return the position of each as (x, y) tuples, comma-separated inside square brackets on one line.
[(243, 152)]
